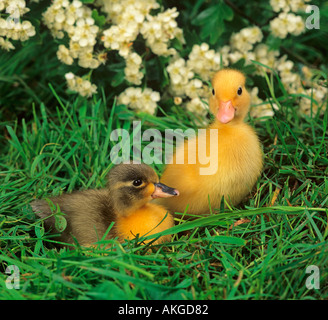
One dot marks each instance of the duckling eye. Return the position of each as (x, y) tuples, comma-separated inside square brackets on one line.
[(137, 182), (213, 92), (240, 91)]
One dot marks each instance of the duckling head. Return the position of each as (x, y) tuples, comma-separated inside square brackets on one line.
[(230, 100), (131, 186)]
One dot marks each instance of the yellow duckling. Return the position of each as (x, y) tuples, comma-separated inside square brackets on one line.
[(126, 201), (237, 153)]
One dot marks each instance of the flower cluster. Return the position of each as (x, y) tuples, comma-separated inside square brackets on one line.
[(132, 18), (84, 87), (314, 98), (198, 107), (84, 40), (287, 23), (159, 30), (138, 100), (264, 55), (132, 70), (180, 76), (262, 109), (287, 5), (294, 83), (74, 19), (128, 19), (13, 28), (244, 40), (315, 94), (242, 44), (202, 62)]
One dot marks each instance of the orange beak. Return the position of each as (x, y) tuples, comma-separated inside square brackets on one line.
[(226, 111), (163, 191)]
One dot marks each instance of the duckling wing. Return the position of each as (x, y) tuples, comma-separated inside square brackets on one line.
[(88, 215)]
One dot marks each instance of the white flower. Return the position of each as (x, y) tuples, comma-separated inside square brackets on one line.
[(194, 88), (131, 14), (247, 55), (265, 56), (240, 42), (197, 107), (119, 38), (297, 5), (85, 32), (278, 5), (235, 56), (287, 23), (159, 30), (149, 100), (87, 89), (71, 80), (224, 55), (84, 87), (287, 5), (255, 34), (87, 60), (279, 26), (69, 76), (14, 27), (140, 101), (179, 72), (6, 44), (16, 8), (284, 65), (260, 109), (63, 54), (132, 69), (75, 49), (246, 38), (316, 96), (263, 110), (151, 30), (203, 61), (298, 26), (254, 96)]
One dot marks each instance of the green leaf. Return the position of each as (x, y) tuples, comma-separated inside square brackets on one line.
[(108, 291), (205, 15), (60, 222), (39, 231), (228, 240), (226, 11), (124, 113), (211, 21), (118, 78), (100, 20)]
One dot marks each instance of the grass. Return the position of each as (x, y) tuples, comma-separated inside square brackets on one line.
[(259, 250)]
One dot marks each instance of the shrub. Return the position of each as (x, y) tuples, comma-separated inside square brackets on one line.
[(146, 52)]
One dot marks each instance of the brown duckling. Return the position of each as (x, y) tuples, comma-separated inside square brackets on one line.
[(125, 200)]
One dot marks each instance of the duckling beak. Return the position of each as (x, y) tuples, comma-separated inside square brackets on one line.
[(226, 111), (163, 191)]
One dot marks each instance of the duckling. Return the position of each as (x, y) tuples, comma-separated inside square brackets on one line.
[(125, 200), (237, 152)]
